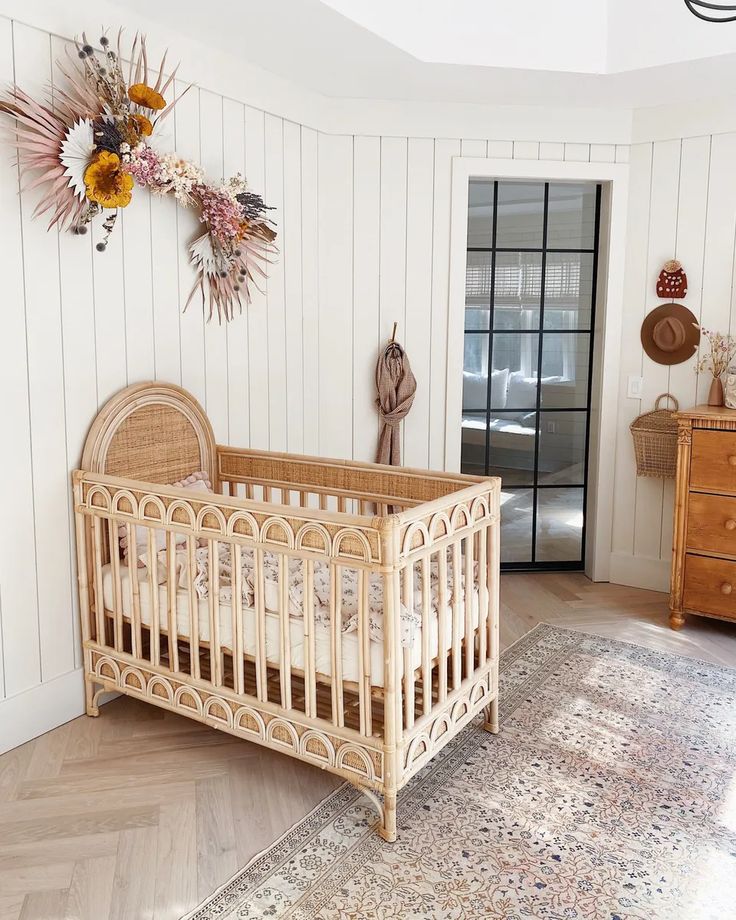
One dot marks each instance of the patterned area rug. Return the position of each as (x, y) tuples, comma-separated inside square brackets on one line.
[(610, 793)]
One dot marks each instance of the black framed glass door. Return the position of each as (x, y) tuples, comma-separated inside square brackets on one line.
[(532, 263)]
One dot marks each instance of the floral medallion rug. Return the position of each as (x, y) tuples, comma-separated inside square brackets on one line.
[(610, 793)]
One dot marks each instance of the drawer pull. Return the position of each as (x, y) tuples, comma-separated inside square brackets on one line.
[(730, 524), (726, 588), (732, 459)]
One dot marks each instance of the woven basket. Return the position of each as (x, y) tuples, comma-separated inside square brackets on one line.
[(655, 441)]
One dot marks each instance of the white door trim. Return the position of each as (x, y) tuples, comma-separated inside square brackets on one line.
[(609, 310)]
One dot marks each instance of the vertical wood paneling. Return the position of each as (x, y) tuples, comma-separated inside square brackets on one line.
[(276, 313), (238, 390), (661, 246), (310, 288), (258, 379), (526, 150), (135, 229), (366, 255), (291, 266), (444, 151), (719, 243), (635, 290), (501, 149), (21, 665), (420, 192), (551, 151), (473, 148), (32, 57), (211, 158), (191, 323), (392, 287), (335, 293)]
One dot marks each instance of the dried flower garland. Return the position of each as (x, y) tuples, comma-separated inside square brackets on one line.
[(88, 148)]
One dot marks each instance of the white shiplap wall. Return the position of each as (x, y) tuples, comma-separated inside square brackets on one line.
[(682, 204), (364, 224)]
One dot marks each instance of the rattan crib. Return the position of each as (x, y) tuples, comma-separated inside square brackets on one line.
[(269, 670)]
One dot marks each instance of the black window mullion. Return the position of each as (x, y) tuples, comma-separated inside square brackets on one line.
[(487, 457), (540, 342)]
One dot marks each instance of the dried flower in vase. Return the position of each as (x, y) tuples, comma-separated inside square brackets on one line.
[(722, 350)]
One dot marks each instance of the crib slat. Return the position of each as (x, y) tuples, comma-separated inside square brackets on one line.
[(135, 600), (426, 654), (284, 637), (82, 529), (171, 596), (494, 558), (237, 613), (364, 656), (117, 589), (310, 680), (468, 596), (338, 709), (153, 591), (193, 600), (408, 650), (214, 608), (442, 625), (482, 596), (99, 592), (456, 577), (259, 589)]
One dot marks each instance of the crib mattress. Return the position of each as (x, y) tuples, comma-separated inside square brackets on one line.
[(322, 634)]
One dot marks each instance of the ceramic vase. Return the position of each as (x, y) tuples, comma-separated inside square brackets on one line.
[(715, 396)]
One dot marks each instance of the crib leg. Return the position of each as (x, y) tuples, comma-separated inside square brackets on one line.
[(387, 830), (90, 697), (491, 723)]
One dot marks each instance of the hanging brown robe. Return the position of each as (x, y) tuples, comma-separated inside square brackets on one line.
[(396, 387)]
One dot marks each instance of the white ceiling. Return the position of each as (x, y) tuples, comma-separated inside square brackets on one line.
[(617, 53)]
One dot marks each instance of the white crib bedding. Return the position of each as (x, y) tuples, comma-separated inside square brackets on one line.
[(323, 658)]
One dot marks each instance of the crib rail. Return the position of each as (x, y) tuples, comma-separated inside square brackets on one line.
[(262, 650)]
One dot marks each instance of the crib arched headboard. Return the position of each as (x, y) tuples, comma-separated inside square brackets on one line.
[(155, 432)]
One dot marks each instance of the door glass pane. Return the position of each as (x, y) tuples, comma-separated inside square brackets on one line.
[(517, 290), (515, 370), (565, 360), (562, 448), (559, 525), (516, 525), (478, 290), (473, 444), (520, 218), (480, 213), (513, 436), (571, 216), (568, 290)]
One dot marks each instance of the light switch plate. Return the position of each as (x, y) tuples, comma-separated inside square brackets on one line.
[(635, 387)]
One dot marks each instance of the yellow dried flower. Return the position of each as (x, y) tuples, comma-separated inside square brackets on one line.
[(144, 125), (144, 95), (106, 182)]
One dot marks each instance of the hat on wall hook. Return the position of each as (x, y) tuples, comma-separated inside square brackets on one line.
[(672, 281), (670, 334)]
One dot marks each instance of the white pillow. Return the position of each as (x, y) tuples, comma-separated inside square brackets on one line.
[(522, 391), (475, 390), (499, 388)]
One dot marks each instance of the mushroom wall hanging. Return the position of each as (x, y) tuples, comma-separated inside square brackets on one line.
[(85, 150)]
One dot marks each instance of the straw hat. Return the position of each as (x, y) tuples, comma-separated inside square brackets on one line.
[(670, 334)]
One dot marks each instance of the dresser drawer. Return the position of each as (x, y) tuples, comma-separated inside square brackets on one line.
[(713, 462), (711, 523), (710, 586)]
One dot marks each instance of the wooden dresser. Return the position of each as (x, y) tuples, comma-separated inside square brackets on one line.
[(704, 547)]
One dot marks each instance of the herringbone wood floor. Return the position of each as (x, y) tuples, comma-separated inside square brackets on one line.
[(141, 814)]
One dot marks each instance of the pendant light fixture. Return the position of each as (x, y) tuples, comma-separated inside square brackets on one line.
[(712, 12)]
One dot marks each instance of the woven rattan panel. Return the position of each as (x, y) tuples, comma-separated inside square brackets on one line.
[(155, 443)]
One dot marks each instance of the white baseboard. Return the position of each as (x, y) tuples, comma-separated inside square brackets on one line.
[(33, 712), (640, 572)]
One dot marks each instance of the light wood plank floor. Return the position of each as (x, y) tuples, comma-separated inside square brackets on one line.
[(141, 814)]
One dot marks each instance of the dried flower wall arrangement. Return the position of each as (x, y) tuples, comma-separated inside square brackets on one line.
[(86, 149), (722, 350)]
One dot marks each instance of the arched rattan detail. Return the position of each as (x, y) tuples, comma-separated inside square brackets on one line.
[(419, 746), (410, 535), (131, 672), (153, 432), (348, 533), (93, 493), (157, 503), (459, 710), (441, 726), (181, 505), (245, 517), (460, 517), (439, 526), (247, 712), (320, 532), (107, 669), (307, 742), (355, 753), (215, 701), (185, 692), (124, 495), (159, 683), (277, 525), (282, 726), (479, 509), (211, 511), (478, 692)]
